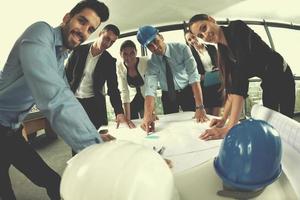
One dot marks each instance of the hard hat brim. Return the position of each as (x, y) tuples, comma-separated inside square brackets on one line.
[(245, 186)]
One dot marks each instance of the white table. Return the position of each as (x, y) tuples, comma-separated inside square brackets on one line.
[(192, 158)]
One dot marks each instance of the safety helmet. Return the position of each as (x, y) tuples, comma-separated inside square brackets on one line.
[(249, 156), (146, 34), (118, 170)]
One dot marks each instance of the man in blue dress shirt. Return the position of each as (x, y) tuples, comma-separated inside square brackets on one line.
[(34, 74), (185, 80)]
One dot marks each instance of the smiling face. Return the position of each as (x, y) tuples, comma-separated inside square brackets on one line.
[(207, 30), (106, 39), (192, 40), (78, 28), (157, 46), (129, 55)]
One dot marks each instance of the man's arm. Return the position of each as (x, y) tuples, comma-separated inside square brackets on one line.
[(148, 113), (51, 93), (194, 81), (151, 80), (200, 113), (113, 90), (197, 93)]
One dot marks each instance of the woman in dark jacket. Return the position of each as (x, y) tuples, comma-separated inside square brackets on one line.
[(242, 55), (205, 57)]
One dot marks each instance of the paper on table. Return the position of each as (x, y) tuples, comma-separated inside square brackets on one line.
[(190, 160), (288, 129), (183, 137), (179, 134)]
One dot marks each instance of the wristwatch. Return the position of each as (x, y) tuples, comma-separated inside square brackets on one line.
[(200, 107)]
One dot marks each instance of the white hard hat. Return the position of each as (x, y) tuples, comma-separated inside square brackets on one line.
[(118, 170)]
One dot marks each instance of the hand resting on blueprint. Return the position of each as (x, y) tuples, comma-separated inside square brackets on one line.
[(122, 119), (217, 131)]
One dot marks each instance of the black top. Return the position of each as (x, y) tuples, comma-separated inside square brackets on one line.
[(212, 52), (136, 81), (247, 56)]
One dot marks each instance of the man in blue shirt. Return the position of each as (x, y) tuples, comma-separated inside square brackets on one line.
[(34, 74), (182, 89)]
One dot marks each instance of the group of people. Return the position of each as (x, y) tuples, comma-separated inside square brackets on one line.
[(195, 77)]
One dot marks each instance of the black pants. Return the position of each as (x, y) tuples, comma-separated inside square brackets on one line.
[(137, 106), (279, 91), (184, 99), (95, 107), (14, 150), (212, 96)]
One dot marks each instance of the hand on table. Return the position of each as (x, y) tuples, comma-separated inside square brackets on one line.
[(200, 115), (107, 137), (214, 133), (148, 120), (121, 119), (146, 123), (219, 123), (130, 124)]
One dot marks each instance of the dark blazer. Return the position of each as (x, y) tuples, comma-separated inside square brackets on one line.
[(105, 71), (212, 51), (247, 56)]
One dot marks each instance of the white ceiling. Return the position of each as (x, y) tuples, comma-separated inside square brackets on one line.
[(130, 14)]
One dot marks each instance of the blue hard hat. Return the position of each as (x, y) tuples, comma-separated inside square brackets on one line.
[(250, 156), (146, 34)]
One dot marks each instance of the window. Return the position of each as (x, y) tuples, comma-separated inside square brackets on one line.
[(286, 42)]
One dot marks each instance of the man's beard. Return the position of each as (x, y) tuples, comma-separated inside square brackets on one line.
[(66, 32)]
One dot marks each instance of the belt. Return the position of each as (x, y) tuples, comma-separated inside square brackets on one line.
[(179, 90), (176, 91)]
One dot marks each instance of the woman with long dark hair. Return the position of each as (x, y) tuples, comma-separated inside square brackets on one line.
[(243, 55), (131, 75)]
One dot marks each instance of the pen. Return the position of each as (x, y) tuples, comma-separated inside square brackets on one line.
[(161, 150)]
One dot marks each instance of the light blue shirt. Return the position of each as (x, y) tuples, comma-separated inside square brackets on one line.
[(182, 64), (34, 74)]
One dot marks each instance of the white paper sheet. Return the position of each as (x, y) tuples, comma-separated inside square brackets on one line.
[(178, 133)]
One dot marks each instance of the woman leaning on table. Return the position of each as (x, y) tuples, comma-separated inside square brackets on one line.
[(131, 74), (242, 55)]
